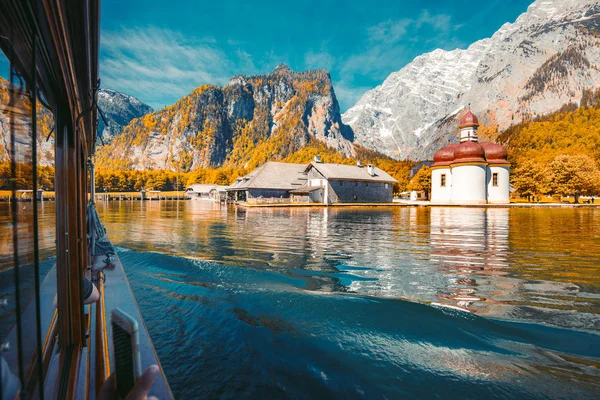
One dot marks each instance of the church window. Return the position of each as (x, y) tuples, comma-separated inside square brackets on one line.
[(495, 179), (443, 180)]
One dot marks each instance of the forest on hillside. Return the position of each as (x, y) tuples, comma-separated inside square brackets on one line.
[(555, 154), (134, 180)]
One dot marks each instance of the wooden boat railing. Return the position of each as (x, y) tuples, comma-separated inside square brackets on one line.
[(92, 365)]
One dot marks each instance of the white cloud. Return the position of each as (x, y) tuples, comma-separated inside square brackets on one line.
[(348, 94), (159, 66), (440, 22), (388, 31), (319, 60), (390, 44)]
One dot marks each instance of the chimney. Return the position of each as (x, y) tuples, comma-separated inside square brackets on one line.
[(371, 169), (359, 164), (317, 159)]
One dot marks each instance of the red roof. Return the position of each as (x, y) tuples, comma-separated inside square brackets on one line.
[(469, 152), (494, 153), (469, 119), (445, 155)]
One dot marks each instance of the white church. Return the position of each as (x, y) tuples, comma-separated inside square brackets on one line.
[(470, 172)]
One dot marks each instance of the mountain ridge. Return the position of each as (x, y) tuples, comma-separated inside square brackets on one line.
[(415, 110), (243, 124), (119, 109)]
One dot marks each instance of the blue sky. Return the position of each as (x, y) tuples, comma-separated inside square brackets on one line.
[(161, 50)]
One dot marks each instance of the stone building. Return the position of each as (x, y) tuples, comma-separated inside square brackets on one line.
[(470, 172), (316, 182), (339, 183)]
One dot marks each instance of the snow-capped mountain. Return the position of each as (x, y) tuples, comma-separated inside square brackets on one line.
[(119, 109), (532, 66)]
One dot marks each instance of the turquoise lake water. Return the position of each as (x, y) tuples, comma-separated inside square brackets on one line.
[(340, 302)]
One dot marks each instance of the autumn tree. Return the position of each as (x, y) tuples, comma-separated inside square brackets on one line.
[(530, 178), (574, 176), (139, 182), (421, 181), (46, 177), (157, 180), (222, 178), (5, 175)]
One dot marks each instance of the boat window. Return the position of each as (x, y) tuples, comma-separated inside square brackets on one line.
[(27, 231)]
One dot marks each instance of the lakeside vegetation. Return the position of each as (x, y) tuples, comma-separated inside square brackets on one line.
[(166, 180), (555, 155), (551, 156)]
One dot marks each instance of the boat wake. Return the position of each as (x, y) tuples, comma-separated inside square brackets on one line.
[(225, 331)]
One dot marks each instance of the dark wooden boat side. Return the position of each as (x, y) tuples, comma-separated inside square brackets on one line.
[(52, 47)]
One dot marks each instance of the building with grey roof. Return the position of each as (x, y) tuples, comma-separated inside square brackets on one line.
[(271, 182), (198, 191), (317, 182), (341, 183)]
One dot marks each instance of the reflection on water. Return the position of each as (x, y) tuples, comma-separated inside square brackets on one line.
[(251, 308), (46, 232), (526, 264), (532, 264), (25, 250)]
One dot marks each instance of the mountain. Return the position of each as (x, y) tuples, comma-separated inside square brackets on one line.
[(119, 109), (22, 128), (542, 61), (243, 124)]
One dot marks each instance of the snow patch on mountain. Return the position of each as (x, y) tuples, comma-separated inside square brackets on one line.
[(119, 109), (532, 66)]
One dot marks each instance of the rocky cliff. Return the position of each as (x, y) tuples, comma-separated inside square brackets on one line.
[(22, 128), (530, 67), (119, 109), (243, 124)]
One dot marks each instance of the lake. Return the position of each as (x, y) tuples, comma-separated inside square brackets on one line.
[(337, 302)]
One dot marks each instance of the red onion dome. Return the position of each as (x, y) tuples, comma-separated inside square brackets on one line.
[(445, 155), (469, 119), (494, 153), (469, 152)]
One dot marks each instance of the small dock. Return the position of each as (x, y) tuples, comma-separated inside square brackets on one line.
[(138, 196)]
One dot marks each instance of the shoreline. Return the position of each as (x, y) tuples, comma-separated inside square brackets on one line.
[(300, 205), (424, 204)]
